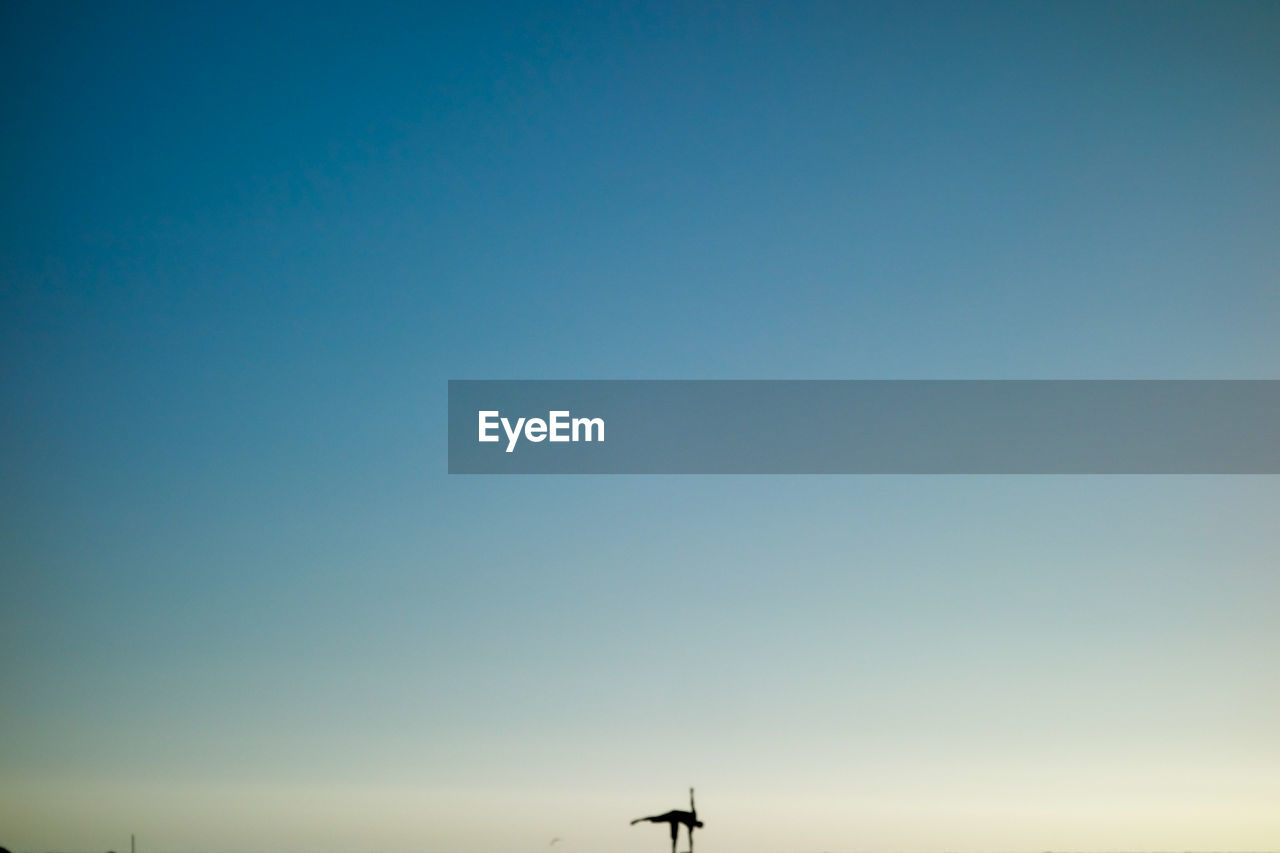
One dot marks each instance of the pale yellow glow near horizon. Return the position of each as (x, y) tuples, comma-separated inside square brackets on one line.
[(1135, 812)]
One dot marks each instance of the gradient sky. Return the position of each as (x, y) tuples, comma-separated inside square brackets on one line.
[(244, 247)]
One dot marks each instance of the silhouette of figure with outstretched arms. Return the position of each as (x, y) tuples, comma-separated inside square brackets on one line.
[(675, 818)]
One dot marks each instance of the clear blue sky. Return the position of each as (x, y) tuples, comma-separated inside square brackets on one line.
[(244, 247)]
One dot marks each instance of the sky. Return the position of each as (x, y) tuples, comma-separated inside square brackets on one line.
[(244, 247)]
